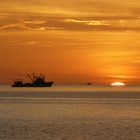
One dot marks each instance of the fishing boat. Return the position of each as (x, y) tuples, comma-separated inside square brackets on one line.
[(36, 81)]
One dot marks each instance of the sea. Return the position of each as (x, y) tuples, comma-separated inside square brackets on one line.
[(70, 112)]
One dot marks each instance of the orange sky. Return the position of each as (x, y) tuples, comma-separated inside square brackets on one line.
[(72, 42)]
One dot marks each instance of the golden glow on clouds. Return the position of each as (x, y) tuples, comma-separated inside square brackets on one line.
[(90, 22), (33, 22), (72, 41)]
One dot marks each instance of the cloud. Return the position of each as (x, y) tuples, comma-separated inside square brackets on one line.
[(49, 28), (34, 25), (73, 7), (44, 23), (79, 15), (32, 22), (89, 22), (14, 26), (31, 43)]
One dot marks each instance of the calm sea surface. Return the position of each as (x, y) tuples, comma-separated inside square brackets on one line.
[(81, 91), (70, 113)]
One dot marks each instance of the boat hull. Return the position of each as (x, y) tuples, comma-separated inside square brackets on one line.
[(47, 84)]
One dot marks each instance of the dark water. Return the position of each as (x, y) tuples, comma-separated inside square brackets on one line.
[(82, 91), (71, 88)]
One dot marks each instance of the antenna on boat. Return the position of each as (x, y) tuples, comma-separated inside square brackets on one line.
[(33, 76), (43, 76), (32, 79)]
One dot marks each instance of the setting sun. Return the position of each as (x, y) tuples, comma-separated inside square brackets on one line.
[(118, 84)]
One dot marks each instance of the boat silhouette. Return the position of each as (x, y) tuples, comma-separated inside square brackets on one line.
[(89, 84), (36, 81)]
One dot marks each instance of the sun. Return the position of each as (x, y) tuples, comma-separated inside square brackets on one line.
[(118, 84)]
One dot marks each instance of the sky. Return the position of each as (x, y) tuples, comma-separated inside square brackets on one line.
[(71, 42)]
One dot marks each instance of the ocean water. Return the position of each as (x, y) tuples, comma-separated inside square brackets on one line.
[(70, 113), (76, 92)]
